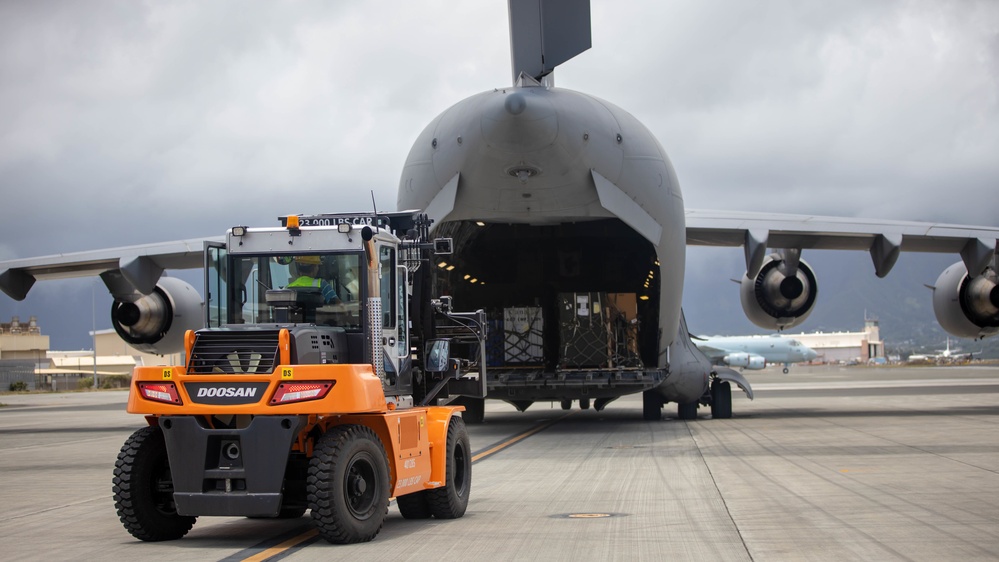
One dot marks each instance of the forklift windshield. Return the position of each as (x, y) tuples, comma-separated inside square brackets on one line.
[(315, 288)]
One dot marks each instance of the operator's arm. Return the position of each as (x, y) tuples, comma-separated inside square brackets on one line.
[(329, 295)]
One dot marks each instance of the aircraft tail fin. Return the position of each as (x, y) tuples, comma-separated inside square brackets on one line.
[(546, 33)]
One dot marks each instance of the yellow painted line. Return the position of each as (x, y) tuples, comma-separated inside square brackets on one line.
[(497, 448), (280, 548), (295, 541)]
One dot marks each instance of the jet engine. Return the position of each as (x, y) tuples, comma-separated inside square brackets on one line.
[(967, 307), (745, 360), (156, 323), (775, 298)]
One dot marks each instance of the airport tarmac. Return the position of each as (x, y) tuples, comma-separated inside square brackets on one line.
[(828, 463)]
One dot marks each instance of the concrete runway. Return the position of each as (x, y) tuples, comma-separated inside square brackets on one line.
[(827, 463)]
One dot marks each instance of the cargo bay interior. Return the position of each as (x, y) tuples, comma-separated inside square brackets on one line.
[(591, 289)]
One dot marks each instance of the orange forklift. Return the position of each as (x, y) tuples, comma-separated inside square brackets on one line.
[(310, 388)]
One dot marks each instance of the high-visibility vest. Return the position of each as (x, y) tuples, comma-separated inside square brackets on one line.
[(305, 281)]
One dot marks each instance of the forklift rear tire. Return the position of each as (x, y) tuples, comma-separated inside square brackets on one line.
[(143, 489), (348, 485), (451, 500)]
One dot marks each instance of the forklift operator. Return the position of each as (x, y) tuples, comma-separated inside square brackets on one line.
[(308, 276)]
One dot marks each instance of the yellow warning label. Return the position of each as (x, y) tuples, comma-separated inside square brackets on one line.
[(167, 373), (287, 373)]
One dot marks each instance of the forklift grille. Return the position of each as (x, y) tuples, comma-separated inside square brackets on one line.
[(236, 352)]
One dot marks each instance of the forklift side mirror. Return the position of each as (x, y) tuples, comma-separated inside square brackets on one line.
[(443, 246), (438, 356)]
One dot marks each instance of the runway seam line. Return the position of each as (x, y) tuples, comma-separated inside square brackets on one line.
[(714, 482)]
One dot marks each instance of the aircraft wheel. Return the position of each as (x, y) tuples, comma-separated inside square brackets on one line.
[(348, 485), (721, 400), (687, 411), (785, 370), (143, 489), (584, 403), (652, 406), (451, 500), (414, 506), (567, 404)]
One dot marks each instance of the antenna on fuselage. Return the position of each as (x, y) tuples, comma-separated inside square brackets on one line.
[(546, 33)]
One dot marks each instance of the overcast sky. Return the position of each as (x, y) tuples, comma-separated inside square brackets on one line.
[(130, 122)]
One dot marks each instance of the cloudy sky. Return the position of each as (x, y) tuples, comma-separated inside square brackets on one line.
[(130, 122)]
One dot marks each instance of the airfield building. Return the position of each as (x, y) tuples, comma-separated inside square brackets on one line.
[(846, 347), (25, 357)]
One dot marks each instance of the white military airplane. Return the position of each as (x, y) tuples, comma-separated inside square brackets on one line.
[(555, 200), (942, 355), (754, 352)]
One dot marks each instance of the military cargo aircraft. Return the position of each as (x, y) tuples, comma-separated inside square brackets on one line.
[(570, 229)]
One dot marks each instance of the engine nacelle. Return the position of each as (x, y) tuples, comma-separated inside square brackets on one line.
[(745, 360), (967, 307), (775, 300), (156, 322)]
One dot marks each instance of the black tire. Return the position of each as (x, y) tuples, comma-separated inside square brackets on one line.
[(721, 400), (348, 485), (785, 370), (287, 512), (143, 489), (687, 411), (475, 409), (292, 512), (652, 406), (414, 506), (451, 500), (566, 404), (584, 403)]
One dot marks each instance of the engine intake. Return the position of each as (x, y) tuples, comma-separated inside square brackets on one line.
[(967, 307), (155, 323), (775, 300)]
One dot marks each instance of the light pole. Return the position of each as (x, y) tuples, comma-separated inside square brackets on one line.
[(93, 318)]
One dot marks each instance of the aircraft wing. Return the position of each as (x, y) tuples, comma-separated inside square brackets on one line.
[(123, 269), (711, 352), (883, 239)]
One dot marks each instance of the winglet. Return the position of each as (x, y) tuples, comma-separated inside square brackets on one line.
[(546, 33)]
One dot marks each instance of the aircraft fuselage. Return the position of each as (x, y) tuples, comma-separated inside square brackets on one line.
[(549, 192)]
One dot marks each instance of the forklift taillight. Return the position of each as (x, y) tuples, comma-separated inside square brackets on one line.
[(288, 392), (160, 392)]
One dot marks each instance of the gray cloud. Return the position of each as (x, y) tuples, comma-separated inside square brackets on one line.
[(129, 122)]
